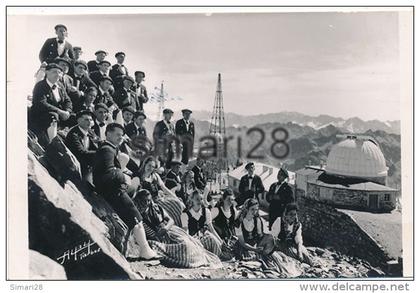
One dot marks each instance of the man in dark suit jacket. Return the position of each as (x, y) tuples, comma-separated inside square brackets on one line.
[(101, 72), (109, 179), (49, 97), (81, 142), (136, 128), (199, 178), (250, 186), (56, 47), (279, 195), (163, 135), (185, 131), (140, 89), (93, 65), (110, 183), (118, 70), (102, 117), (104, 95), (81, 80), (125, 97), (173, 177)]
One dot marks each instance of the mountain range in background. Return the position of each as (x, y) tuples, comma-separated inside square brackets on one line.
[(354, 124), (310, 138)]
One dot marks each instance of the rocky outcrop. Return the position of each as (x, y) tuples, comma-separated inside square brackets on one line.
[(325, 226), (63, 226), (42, 267)]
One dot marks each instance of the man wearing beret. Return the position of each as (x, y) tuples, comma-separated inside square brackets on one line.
[(250, 186), (127, 115), (81, 142), (49, 97), (136, 128), (118, 70), (93, 64), (104, 94), (184, 129), (279, 195), (81, 80), (140, 89), (102, 71), (163, 135), (56, 47), (124, 96)]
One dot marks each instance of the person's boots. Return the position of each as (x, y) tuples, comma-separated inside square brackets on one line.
[(140, 236)]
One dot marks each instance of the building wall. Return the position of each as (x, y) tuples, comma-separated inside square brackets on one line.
[(354, 199)]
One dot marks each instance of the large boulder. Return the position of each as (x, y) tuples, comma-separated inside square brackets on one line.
[(42, 267), (63, 226)]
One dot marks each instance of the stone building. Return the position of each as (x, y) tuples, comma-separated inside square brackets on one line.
[(354, 177)]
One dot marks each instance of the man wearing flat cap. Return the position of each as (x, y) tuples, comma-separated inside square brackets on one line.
[(103, 68), (56, 47), (251, 185), (93, 65), (81, 80), (118, 70), (140, 89), (127, 115), (163, 135), (104, 93), (136, 128), (81, 142), (49, 97), (185, 131), (279, 195), (125, 96)]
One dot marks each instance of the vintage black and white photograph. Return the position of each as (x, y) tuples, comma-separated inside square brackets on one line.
[(176, 144)]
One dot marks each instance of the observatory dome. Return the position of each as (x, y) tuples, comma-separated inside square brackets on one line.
[(356, 157)]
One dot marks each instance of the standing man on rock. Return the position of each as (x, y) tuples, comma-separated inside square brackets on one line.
[(163, 135), (118, 70), (140, 89), (185, 131), (56, 47), (250, 185), (279, 195)]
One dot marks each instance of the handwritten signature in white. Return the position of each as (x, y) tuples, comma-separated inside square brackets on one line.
[(79, 252)]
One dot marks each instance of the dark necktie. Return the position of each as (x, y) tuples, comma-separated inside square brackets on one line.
[(60, 41), (102, 124), (54, 87)]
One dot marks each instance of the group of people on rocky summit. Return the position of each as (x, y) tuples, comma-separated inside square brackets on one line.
[(155, 186)]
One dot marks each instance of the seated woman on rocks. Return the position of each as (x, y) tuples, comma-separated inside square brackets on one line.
[(255, 245), (187, 186), (289, 239), (175, 247), (150, 180), (224, 215), (197, 221)]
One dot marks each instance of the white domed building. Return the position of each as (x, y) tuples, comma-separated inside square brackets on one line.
[(355, 176)]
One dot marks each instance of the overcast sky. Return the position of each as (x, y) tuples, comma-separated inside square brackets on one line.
[(341, 64)]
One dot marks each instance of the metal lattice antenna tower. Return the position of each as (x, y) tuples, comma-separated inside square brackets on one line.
[(161, 101), (217, 125)]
